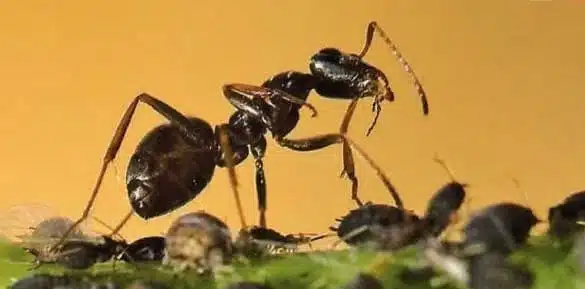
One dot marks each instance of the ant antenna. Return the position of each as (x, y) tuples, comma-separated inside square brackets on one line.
[(228, 157), (374, 27), (385, 179)]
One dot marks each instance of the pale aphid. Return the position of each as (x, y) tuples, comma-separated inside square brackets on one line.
[(37, 227)]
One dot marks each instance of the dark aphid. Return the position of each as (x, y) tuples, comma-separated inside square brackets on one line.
[(383, 226), (198, 241), (442, 208), (566, 218), (147, 249), (364, 281), (492, 270), (500, 227)]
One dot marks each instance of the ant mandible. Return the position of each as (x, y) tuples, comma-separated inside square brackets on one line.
[(338, 75)]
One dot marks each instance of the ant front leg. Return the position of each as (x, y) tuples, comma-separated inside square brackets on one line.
[(159, 106), (258, 151), (319, 142), (348, 163), (241, 95)]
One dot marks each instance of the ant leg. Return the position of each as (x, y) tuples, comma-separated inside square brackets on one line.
[(240, 95), (319, 142), (226, 148), (385, 179), (258, 151), (159, 106), (348, 163), (374, 27)]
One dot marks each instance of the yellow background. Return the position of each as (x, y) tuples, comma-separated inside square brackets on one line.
[(504, 80)]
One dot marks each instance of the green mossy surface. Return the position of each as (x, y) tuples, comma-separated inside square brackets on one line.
[(553, 264)]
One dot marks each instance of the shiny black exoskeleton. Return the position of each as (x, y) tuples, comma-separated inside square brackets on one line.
[(82, 254), (340, 75), (501, 227), (337, 74), (442, 209), (147, 249), (566, 218), (174, 162)]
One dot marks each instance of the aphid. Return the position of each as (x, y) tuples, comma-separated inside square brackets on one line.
[(391, 228), (365, 224), (442, 209), (566, 218), (500, 227), (198, 241), (36, 228)]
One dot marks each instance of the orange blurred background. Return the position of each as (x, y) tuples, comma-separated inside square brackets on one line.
[(504, 80)]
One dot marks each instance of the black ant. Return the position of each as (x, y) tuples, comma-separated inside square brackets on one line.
[(394, 227)]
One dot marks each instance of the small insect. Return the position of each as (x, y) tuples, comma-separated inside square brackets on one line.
[(566, 218), (174, 162), (442, 209), (145, 249), (392, 228), (501, 227), (198, 241)]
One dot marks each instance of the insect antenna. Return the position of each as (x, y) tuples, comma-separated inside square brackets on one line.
[(374, 27)]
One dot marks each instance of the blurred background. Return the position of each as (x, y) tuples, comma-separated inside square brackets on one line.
[(504, 81)]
